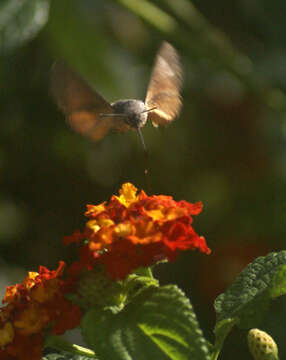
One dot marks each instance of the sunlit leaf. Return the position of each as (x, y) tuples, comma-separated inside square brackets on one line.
[(160, 324), (248, 297)]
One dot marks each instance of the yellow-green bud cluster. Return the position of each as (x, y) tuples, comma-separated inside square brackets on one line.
[(262, 346)]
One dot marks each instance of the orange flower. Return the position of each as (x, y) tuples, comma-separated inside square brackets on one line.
[(31, 308), (30, 319), (134, 230)]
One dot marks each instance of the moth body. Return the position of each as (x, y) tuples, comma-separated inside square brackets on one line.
[(134, 113)]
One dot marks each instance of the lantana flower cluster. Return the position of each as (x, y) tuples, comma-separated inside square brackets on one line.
[(31, 308), (130, 231), (136, 230)]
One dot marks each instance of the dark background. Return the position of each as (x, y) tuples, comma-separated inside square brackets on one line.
[(227, 149)]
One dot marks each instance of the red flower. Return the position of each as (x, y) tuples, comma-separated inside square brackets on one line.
[(131, 231), (31, 308)]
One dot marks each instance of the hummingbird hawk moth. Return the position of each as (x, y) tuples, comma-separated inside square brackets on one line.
[(91, 115)]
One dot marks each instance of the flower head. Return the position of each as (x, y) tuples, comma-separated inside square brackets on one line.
[(136, 230), (32, 307)]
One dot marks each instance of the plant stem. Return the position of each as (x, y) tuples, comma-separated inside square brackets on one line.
[(215, 354), (59, 343), (145, 271)]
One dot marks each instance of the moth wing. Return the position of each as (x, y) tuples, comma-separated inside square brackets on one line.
[(165, 85), (81, 104)]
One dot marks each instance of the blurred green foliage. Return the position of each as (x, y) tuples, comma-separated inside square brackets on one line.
[(226, 149)]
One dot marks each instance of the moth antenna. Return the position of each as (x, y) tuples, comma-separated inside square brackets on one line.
[(111, 115), (153, 108)]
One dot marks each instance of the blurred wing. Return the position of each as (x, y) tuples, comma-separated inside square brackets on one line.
[(164, 86), (81, 104)]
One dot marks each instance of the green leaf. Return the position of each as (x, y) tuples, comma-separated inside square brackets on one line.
[(247, 299), (63, 355), (279, 283), (221, 331), (159, 324), (134, 285), (20, 21)]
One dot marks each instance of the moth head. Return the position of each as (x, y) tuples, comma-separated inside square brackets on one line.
[(132, 112)]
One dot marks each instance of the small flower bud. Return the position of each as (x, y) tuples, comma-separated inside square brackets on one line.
[(96, 289), (262, 346)]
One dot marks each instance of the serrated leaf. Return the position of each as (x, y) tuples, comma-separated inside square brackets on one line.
[(248, 297), (279, 283), (159, 324), (63, 355), (20, 21)]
